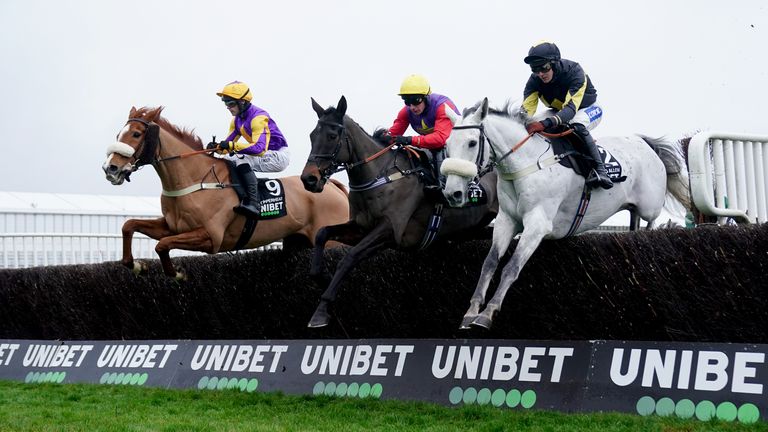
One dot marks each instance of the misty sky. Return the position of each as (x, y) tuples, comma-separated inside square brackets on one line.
[(70, 70)]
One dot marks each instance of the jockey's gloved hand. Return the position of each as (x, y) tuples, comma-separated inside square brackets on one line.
[(382, 136), (402, 140), (226, 146), (213, 145), (535, 127)]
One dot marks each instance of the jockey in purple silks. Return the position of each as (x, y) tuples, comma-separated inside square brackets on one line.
[(265, 148)]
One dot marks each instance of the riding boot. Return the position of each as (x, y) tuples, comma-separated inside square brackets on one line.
[(598, 176), (439, 179), (251, 204)]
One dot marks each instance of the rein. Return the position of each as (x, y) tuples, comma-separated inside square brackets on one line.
[(145, 147), (483, 170), (336, 166), (148, 150)]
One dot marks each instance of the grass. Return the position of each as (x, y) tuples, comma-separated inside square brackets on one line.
[(89, 407)]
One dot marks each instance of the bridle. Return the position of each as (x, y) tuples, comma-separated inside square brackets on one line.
[(145, 152), (480, 159), (334, 165), (493, 161)]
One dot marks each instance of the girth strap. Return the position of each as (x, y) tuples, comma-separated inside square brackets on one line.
[(435, 222), (245, 235), (586, 195)]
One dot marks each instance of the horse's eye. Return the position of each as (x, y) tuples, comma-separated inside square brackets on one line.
[(472, 143), (136, 134), (332, 136)]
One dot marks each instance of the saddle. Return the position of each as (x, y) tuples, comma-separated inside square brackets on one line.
[(424, 164), (571, 149)]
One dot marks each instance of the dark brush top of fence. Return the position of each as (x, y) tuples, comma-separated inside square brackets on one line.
[(705, 284)]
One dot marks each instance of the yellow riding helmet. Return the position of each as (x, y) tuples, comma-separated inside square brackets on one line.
[(236, 90), (415, 85)]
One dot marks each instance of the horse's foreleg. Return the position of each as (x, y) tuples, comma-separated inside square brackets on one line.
[(504, 229), (634, 220), (196, 240), (379, 238), (348, 233), (152, 228), (536, 227)]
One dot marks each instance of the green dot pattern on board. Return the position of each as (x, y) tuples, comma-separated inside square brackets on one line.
[(364, 390), (124, 378), (45, 377), (704, 410), (225, 383), (495, 397)]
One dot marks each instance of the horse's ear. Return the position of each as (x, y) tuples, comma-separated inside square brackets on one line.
[(318, 109), (341, 108), (484, 109), (452, 116), (154, 114), (133, 112)]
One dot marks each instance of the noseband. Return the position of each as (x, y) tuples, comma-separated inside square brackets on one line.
[(481, 170)]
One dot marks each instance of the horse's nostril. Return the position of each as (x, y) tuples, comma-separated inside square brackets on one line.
[(310, 181), (457, 195), (112, 169)]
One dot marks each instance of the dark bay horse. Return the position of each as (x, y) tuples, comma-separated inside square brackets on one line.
[(388, 206), (197, 196)]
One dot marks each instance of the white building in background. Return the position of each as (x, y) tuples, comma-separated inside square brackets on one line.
[(43, 229)]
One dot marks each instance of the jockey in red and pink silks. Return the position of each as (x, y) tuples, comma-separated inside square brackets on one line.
[(424, 111)]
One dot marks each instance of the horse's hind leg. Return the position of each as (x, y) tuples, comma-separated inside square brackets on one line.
[(537, 225), (504, 229), (379, 238), (152, 228), (195, 240)]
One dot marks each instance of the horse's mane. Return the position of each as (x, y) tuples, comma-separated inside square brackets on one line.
[(512, 109), (187, 136)]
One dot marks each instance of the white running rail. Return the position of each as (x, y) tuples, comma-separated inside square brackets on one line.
[(729, 175)]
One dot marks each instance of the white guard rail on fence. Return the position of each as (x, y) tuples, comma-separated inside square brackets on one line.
[(22, 250), (728, 175)]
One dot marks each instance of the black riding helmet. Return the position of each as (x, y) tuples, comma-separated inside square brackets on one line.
[(542, 52)]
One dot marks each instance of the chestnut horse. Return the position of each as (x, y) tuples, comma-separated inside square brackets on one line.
[(198, 197)]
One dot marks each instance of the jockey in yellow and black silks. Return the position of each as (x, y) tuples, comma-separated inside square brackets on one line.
[(264, 148), (564, 88)]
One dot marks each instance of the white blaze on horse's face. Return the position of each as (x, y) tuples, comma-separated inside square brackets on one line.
[(460, 167), (119, 157)]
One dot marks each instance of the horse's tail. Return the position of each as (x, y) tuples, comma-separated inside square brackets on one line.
[(671, 154), (340, 185)]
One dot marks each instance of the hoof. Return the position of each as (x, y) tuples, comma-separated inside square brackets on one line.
[(482, 321), (317, 322), (467, 322), (320, 318)]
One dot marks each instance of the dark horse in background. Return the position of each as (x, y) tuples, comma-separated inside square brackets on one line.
[(388, 205)]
